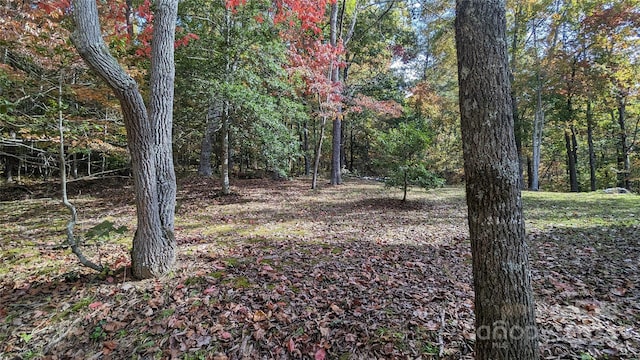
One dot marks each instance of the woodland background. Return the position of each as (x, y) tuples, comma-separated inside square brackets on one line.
[(259, 79)]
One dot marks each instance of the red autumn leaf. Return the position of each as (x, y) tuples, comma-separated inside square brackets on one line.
[(95, 305), (209, 290), (291, 345), (267, 268), (320, 354)]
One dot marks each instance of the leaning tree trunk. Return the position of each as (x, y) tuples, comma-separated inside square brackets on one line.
[(318, 152), (148, 133), (504, 306)]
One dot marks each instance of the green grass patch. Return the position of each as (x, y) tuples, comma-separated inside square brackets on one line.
[(543, 210), (240, 282)]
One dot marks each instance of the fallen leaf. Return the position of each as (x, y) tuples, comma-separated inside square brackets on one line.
[(350, 338), (209, 290), (95, 305), (619, 291), (259, 315), (320, 354), (325, 331), (336, 309), (291, 345), (267, 268)]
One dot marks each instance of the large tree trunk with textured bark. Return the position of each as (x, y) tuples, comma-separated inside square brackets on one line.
[(148, 131), (504, 307)]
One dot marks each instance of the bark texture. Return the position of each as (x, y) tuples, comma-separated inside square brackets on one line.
[(148, 132), (504, 306), (624, 164), (336, 175), (592, 153)]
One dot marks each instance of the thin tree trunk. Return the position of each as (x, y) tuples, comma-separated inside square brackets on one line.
[(405, 185), (305, 148), (11, 161), (336, 176), (504, 305), (71, 240), (148, 133), (592, 154), (517, 121), (316, 162), (539, 116), (206, 146), (624, 165), (224, 156), (74, 165), (571, 163)]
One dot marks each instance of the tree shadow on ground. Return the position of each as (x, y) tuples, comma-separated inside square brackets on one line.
[(345, 274), (587, 287)]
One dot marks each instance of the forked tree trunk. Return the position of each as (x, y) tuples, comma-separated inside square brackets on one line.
[(504, 307), (148, 133)]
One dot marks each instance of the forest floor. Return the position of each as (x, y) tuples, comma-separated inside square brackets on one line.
[(278, 271)]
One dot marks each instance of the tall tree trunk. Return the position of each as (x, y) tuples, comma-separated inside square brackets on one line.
[(592, 153), (517, 121), (504, 306), (224, 156), (148, 133), (624, 164), (571, 143), (336, 176), (572, 156), (305, 148), (538, 119)]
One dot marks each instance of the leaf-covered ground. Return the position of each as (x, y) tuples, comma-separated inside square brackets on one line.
[(278, 271)]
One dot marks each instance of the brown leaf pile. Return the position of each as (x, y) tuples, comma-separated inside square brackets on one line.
[(278, 271)]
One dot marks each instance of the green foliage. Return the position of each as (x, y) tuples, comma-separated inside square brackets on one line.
[(413, 175), (222, 69), (403, 150)]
